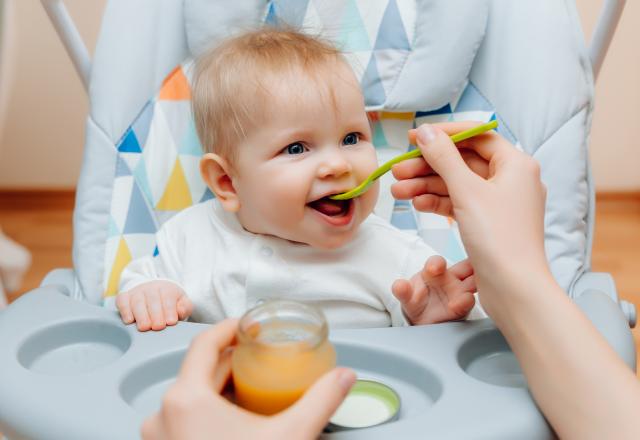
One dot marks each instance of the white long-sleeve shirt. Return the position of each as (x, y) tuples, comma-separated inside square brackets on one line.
[(225, 270)]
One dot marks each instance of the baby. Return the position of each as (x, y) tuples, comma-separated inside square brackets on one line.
[(282, 120)]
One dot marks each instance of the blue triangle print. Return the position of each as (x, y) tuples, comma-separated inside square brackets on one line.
[(379, 139), (122, 169), (472, 101), (354, 36), (454, 252), (402, 217), (163, 216), (155, 251), (142, 123), (292, 12), (129, 143), (139, 218), (190, 143), (113, 228), (503, 130), (208, 195), (372, 85), (271, 18), (140, 174), (391, 34), (440, 111)]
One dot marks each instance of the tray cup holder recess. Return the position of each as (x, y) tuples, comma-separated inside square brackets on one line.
[(74, 347), (488, 358)]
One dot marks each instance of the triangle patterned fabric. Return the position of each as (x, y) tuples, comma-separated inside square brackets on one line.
[(157, 173)]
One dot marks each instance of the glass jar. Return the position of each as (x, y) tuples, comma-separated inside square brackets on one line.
[(282, 350)]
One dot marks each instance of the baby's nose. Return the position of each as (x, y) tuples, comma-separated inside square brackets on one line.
[(334, 166)]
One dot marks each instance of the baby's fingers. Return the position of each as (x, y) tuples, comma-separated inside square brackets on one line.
[(154, 306), (140, 312), (469, 284), (462, 270), (402, 290), (461, 305), (170, 307), (184, 307), (434, 267), (124, 307)]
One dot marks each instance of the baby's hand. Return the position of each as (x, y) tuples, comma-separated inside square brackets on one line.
[(154, 305), (437, 294)]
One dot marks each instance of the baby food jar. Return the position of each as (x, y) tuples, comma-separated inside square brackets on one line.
[(282, 350)]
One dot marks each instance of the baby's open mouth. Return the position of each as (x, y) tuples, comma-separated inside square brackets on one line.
[(331, 208)]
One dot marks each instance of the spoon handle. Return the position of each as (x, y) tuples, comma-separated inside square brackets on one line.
[(417, 153), (360, 189)]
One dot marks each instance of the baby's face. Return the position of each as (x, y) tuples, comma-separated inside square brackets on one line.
[(311, 145)]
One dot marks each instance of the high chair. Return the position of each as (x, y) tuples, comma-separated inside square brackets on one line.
[(71, 369)]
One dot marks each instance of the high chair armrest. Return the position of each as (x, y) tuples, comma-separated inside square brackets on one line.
[(64, 280), (608, 318), (603, 282)]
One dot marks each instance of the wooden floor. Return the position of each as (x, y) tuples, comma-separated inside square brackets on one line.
[(45, 228)]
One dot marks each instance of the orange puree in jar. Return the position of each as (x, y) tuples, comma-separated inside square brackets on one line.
[(282, 350)]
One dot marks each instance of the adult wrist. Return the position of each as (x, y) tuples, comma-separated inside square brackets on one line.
[(511, 293)]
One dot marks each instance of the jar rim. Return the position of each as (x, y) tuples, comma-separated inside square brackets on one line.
[(284, 311)]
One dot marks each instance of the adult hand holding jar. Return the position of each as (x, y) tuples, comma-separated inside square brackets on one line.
[(194, 409)]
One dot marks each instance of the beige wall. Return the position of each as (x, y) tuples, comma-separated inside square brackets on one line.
[(41, 144), (42, 141), (615, 148)]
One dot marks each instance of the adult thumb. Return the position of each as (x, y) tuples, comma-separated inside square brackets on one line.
[(444, 157), (310, 414)]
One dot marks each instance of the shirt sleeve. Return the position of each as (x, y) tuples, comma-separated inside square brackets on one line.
[(165, 265)]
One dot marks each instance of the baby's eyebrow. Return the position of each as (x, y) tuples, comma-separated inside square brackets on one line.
[(292, 135)]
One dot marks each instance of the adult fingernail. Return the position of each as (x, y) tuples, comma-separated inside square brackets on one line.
[(426, 133), (346, 379)]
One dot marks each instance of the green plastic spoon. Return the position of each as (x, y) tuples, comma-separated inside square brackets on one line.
[(364, 186)]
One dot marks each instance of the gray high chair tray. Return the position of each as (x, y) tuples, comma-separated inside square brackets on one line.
[(71, 370)]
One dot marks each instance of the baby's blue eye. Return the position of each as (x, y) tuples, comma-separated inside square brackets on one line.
[(351, 139), (296, 148)]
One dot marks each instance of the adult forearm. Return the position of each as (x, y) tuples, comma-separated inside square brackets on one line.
[(581, 385)]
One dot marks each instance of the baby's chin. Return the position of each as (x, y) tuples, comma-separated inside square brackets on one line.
[(328, 242), (331, 244)]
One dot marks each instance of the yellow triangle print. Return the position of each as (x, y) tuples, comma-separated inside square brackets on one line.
[(404, 116), (123, 257), (175, 87), (176, 194)]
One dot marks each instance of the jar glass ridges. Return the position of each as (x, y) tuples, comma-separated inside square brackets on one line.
[(282, 349)]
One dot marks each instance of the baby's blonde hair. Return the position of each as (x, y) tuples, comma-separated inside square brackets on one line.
[(230, 87)]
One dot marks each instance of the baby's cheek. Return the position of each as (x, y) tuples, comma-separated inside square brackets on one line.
[(285, 205), (372, 196), (369, 164)]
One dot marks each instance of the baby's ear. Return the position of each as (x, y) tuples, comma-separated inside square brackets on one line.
[(216, 173)]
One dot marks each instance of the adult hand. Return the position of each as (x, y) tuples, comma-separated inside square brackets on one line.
[(501, 220), (427, 189), (499, 208), (193, 408)]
